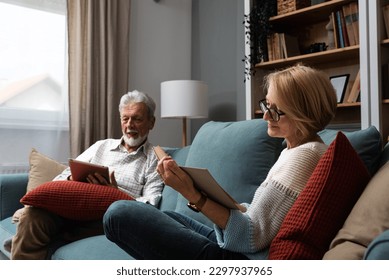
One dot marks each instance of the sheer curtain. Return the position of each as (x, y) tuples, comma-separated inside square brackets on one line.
[(98, 68), (33, 82)]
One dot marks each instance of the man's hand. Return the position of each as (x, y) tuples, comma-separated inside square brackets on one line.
[(98, 179)]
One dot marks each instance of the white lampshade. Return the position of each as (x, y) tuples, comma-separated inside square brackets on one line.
[(184, 98)]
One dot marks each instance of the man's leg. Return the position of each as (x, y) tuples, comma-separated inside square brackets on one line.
[(35, 231)]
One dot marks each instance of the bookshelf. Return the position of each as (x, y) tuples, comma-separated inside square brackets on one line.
[(368, 57)]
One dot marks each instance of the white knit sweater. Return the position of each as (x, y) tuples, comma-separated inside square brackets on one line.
[(252, 232)]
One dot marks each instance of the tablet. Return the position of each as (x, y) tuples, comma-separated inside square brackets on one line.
[(81, 169)]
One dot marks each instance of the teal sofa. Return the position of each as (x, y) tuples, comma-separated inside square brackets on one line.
[(238, 154)]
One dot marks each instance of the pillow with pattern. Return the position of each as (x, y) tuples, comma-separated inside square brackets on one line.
[(74, 200), (324, 204)]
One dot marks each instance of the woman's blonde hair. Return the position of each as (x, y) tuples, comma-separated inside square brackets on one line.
[(305, 95)]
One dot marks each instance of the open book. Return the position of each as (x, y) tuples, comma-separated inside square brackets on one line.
[(204, 182)]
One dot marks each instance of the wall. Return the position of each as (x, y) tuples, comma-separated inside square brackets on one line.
[(160, 48), (185, 39)]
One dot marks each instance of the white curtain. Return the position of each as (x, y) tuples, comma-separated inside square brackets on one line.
[(33, 82)]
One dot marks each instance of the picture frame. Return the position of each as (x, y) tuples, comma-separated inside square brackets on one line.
[(340, 82)]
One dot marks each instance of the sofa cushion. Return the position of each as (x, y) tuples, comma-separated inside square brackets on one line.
[(74, 200), (322, 207), (368, 219), (42, 169), (366, 142), (237, 154)]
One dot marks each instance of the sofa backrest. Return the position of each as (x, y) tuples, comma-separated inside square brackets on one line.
[(237, 154), (366, 142), (240, 154)]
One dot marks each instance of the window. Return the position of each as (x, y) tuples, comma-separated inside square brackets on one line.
[(33, 83)]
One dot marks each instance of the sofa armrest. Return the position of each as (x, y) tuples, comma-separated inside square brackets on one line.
[(12, 189)]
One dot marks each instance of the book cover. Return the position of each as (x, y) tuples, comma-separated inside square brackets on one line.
[(349, 24), (270, 52), (336, 31), (290, 45), (355, 90), (385, 12), (340, 31), (355, 20), (385, 81), (80, 170), (344, 29)]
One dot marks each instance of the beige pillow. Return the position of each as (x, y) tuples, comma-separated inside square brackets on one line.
[(42, 170), (368, 218)]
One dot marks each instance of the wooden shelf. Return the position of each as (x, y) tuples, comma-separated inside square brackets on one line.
[(354, 104), (310, 14), (340, 54)]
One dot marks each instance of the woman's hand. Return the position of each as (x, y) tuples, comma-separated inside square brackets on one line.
[(177, 178)]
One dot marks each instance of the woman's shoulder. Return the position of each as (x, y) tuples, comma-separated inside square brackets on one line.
[(307, 149), (304, 155)]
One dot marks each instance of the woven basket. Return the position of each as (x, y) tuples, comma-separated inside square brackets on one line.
[(287, 6)]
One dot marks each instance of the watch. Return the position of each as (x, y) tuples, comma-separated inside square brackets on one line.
[(199, 204)]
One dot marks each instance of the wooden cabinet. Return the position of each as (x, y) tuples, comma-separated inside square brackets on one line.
[(368, 56)]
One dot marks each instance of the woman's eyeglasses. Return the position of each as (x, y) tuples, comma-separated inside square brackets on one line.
[(274, 114)]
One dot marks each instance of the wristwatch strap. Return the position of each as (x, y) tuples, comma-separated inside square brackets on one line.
[(199, 204)]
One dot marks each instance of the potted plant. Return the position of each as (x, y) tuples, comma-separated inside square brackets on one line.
[(257, 30)]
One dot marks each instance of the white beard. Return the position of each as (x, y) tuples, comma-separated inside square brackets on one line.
[(134, 142)]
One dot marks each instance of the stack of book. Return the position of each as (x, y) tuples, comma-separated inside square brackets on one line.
[(345, 23), (281, 45)]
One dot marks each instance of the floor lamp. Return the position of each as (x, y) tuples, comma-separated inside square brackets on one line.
[(184, 99)]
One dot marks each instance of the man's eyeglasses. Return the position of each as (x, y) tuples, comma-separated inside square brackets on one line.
[(274, 114)]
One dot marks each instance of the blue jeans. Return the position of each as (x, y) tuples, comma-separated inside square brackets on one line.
[(145, 232)]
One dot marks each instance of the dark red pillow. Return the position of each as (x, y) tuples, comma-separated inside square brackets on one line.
[(322, 207), (74, 200)]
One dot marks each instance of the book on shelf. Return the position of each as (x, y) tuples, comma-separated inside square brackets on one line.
[(341, 26), (335, 29), (355, 90), (281, 45), (270, 55), (355, 20), (277, 46), (385, 12), (385, 81), (289, 45), (344, 29), (349, 24)]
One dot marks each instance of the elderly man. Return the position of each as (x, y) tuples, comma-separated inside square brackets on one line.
[(134, 172)]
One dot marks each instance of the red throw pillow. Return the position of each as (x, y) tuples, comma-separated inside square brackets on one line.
[(74, 200), (322, 207)]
